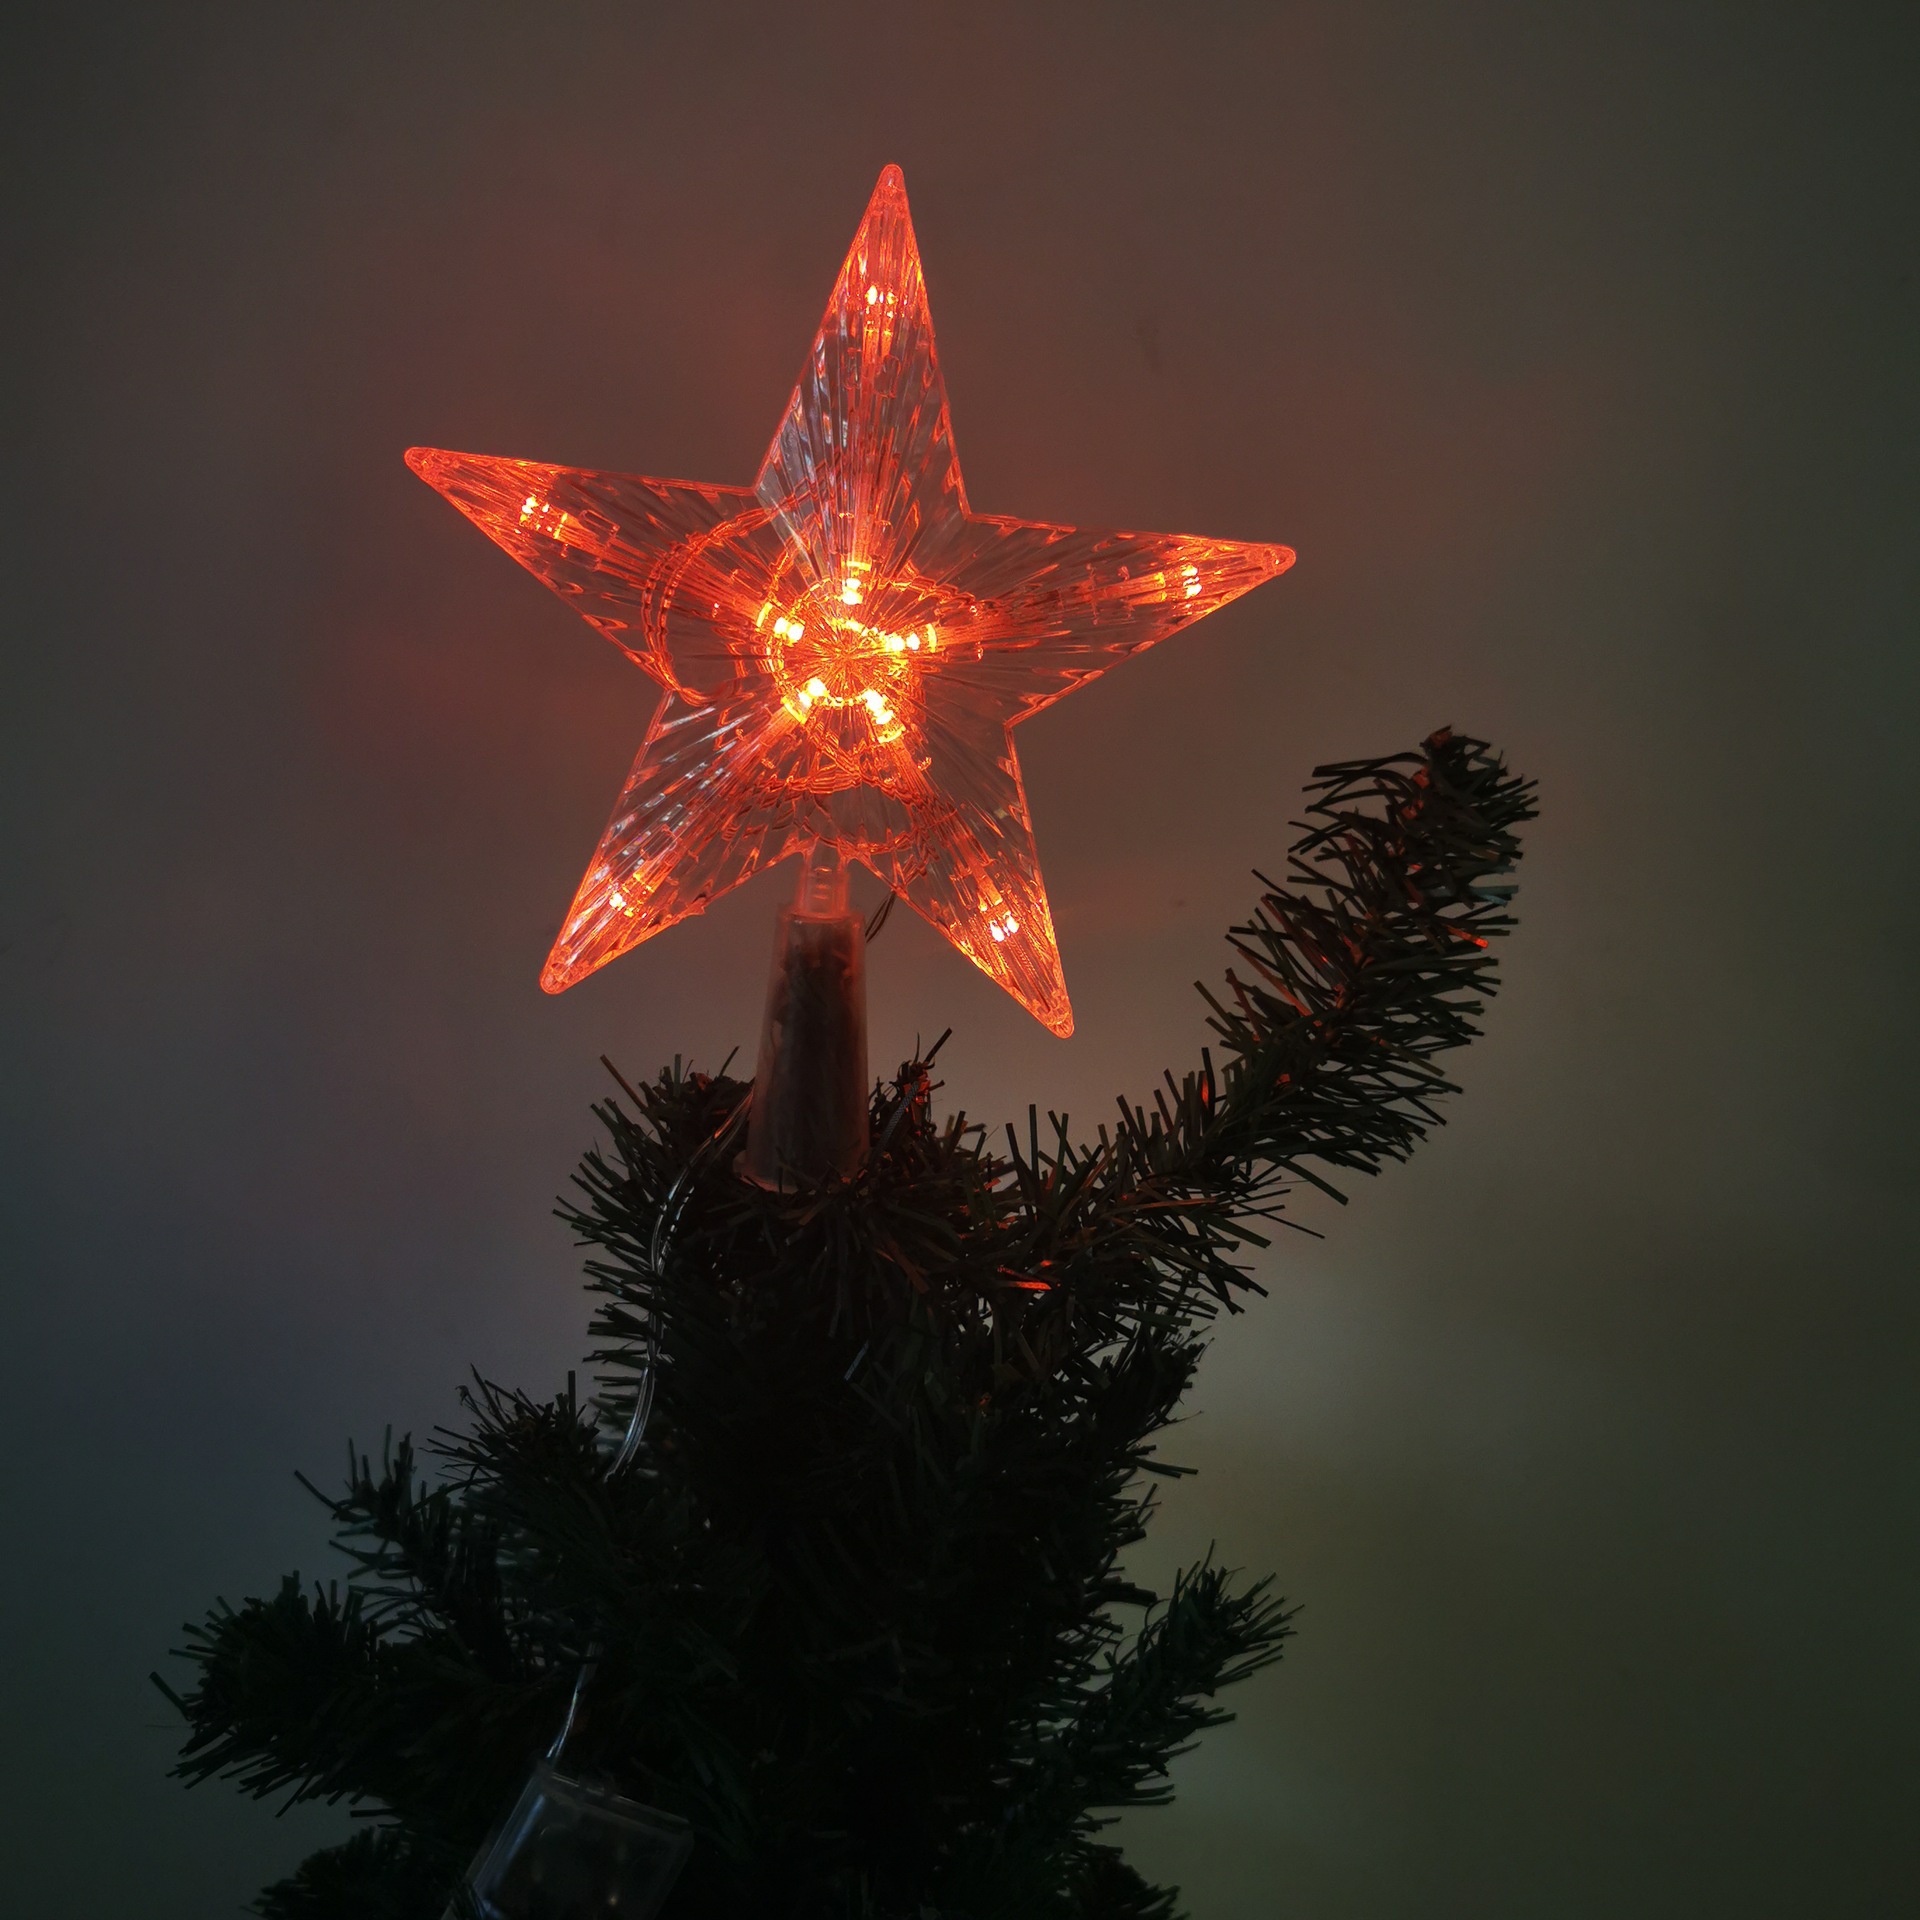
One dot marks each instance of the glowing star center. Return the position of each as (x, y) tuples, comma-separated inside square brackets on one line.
[(853, 682)]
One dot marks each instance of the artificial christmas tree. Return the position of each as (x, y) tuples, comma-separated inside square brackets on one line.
[(858, 1597), (820, 1603)]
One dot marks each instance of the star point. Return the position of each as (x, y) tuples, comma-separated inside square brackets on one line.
[(843, 648)]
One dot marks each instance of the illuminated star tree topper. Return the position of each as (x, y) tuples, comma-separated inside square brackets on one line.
[(844, 647)]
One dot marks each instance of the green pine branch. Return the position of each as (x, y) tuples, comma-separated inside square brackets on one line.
[(382, 1873), (858, 1605)]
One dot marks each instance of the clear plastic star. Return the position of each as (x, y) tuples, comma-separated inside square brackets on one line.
[(844, 647)]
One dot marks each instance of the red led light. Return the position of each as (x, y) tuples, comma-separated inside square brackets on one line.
[(844, 647)]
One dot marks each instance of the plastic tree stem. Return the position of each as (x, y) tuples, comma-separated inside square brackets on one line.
[(809, 1117)]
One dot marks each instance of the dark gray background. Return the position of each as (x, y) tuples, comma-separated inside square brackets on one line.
[(1572, 347)]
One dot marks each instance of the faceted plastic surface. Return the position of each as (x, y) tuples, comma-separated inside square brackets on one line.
[(573, 1851), (845, 648)]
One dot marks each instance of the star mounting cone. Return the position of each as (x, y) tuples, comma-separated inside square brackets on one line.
[(845, 648)]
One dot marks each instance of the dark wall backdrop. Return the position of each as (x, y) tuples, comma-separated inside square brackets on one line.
[(1572, 347)]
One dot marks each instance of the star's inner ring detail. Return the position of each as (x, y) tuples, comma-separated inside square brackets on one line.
[(847, 662)]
